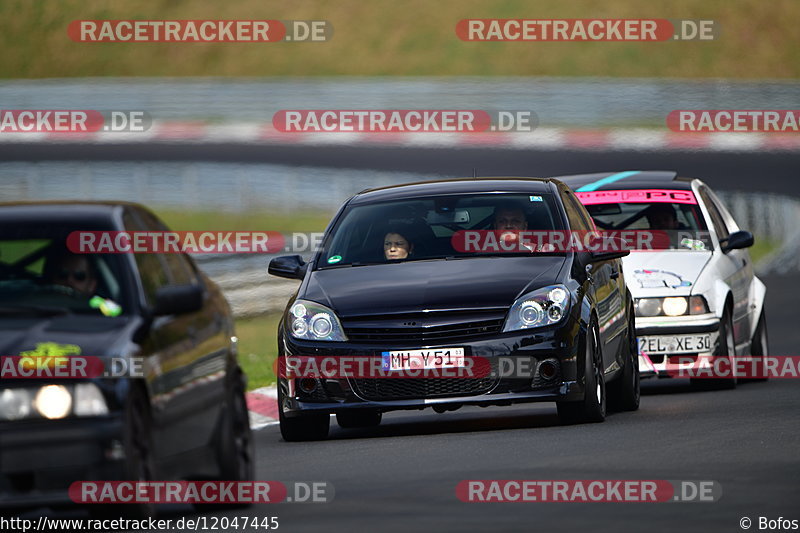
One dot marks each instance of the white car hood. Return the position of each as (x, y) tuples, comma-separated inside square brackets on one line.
[(663, 273)]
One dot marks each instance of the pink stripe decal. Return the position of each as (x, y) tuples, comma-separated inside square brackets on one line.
[(663, 196)]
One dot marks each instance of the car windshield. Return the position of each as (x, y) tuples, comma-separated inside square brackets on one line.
[(424, 228), (675, 212), (39, 275)]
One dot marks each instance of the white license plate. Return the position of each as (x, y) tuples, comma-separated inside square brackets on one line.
[(675, 344), (423, 359)]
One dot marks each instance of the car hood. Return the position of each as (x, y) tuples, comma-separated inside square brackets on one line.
[(664, 273), (440, 284), (93, 335)]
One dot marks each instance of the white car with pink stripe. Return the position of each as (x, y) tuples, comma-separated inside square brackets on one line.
[(697, 299)]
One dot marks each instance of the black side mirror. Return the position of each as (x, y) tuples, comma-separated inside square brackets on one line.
[(288, 266), (178, 299), (620, 249), (737, 240), (605, 256)]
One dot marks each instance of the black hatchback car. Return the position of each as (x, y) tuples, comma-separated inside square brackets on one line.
[(390, 284), (183, 416)]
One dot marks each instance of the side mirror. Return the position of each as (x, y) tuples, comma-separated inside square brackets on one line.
[(620, 249), (737, 240), (178, 299), (288, 266), (606, 256)]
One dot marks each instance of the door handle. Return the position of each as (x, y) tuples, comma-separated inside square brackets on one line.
[(615, 274)]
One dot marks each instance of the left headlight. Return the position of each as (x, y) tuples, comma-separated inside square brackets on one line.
[(314, 322), (542, 307), (52, 402)]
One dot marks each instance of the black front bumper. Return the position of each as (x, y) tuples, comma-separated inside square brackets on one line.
[(40, 459), (514, 358)]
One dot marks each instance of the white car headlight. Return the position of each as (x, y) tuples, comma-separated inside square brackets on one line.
[(542, 307), (315, 322), (15, 404), (675, 306), (53, 401), (89, 401)]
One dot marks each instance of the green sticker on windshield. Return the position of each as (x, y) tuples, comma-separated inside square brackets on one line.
[(334, 259)]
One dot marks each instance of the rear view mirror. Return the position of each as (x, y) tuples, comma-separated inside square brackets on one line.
[(288, 266), (178, 299)]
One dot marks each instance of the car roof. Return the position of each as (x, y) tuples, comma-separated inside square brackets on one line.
[(455, 186), (58, 211), (629, 179)]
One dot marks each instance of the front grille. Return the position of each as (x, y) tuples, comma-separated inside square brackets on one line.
[(383, 389), (456, 332)]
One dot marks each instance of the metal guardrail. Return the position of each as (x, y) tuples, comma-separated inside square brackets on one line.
[(251, 291)]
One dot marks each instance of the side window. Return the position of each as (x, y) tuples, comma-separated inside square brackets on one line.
[(579, 219), (151, 269), (716, 216), (178, 269)]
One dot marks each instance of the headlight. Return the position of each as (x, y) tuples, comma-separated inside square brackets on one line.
[(89, 401), (538, 308), (53, 401), (675, 306), (15, 404), (315, 322), (671, 306)]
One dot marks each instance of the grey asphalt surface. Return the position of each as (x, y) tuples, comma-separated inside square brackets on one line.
[(402, 476)]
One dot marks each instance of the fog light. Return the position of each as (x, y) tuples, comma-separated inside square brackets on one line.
[(53, 401), (548, 369), (308, 385)]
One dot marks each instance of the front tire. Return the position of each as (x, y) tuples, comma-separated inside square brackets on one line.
[(759, 346), (725, 349), (593, 406)]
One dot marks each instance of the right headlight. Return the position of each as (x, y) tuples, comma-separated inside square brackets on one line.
[(542, 307), (315, 322), (671, 306)]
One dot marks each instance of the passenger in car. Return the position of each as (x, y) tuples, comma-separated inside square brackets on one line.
[(663, 217), (396, 246)]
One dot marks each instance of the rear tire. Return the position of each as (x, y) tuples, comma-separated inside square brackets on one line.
[(593, 406), (624, 394), (302, 428), (362, 418)]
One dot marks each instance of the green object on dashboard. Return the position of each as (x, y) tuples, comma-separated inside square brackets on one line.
[(107, 307)]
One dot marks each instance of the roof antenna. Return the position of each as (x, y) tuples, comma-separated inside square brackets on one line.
[(474, 173)]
